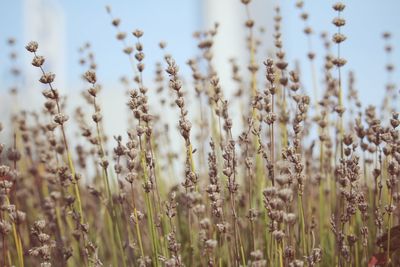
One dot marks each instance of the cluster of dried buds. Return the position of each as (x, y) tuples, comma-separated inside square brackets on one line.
[(51, 94), (46, 244)]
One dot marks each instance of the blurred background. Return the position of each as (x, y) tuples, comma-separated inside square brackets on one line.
[(61, 27)]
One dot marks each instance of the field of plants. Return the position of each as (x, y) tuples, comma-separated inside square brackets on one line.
[(311, 180)]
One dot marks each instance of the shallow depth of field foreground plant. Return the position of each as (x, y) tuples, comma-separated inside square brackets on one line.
[(311, 180)]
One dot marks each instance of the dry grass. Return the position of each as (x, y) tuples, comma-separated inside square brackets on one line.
[(308, 182)]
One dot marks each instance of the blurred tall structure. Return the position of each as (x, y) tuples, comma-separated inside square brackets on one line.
[(230, 42), (44, 22), (231, 38)]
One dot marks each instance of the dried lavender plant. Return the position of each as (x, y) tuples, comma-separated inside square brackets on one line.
[(299, 186)]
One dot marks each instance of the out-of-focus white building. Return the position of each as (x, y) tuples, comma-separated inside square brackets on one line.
[(230, 42), (231, 38)]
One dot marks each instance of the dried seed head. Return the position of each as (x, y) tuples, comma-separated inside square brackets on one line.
[(38, 61), (104, 163), (286, 194), (162, 44), (94, 90), (51, 94), (128, 50), (281, 65), (11, 41), (386, 35), (304, 16), (339, 62), (205, 223), (116, 22), (139, 46), (13, 154), (4, 172), (97, 117), (32, 46), (249, 23), (348, 139), (289, 218), (308, 30), (47, 78), (43, 237), (278, 235), (90, 76), (269, 192), (131, 177), (339, 22), (205, 44), (338, 38), (121, 36), (61, 118), (389, 68), (137, 33), (18, 217), (5, 227), (139, 56), (299, 4), (339, 6), (39, 225), (394, 121)]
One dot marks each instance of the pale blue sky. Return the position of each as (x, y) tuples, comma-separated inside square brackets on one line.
[(364, 48), (175, 21)]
